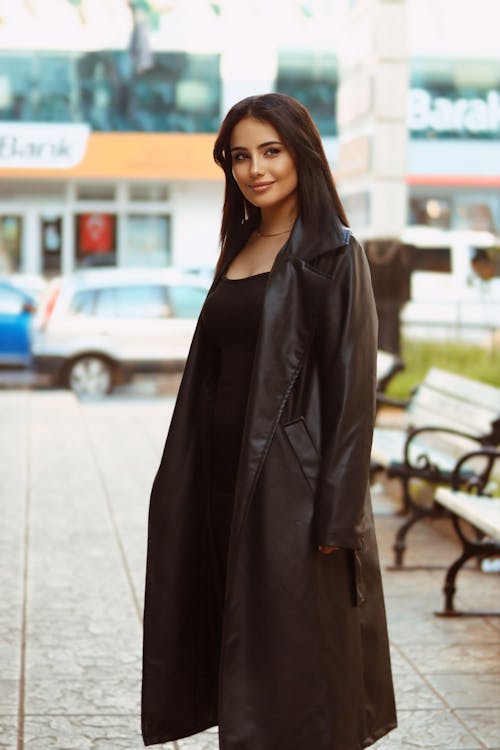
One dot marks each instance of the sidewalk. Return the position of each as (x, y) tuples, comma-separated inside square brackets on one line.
[(74, 491)]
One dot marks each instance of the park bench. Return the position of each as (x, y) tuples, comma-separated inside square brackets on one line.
[(470, 507), (446, 416)]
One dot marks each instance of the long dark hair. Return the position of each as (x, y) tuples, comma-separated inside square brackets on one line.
[(316, 189)]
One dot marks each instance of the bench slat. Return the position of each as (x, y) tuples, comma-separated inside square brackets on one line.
[(442, 449), (482, 512), (465, 389), (434, 407)]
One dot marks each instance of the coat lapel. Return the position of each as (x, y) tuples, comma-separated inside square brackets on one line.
[(294, 296)]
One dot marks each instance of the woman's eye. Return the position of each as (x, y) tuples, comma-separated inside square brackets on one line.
[(272, 151), (239, 157)]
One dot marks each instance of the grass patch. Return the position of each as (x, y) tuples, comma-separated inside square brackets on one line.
[(463, 359)]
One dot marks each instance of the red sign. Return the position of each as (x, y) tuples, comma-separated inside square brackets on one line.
[(96, 233)]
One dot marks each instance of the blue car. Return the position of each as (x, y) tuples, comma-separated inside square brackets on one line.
[(16, 318)]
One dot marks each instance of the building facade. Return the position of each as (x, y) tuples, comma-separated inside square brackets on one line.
[(108, 113)]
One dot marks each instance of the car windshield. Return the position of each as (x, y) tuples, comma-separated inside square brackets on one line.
[(145, 301), (140, 301)]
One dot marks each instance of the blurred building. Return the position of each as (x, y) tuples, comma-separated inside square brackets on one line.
[(108, 111)]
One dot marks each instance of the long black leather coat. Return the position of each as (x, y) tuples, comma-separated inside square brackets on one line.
[(304, 659)]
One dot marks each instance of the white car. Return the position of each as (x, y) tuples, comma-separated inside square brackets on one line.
[(96, 328)]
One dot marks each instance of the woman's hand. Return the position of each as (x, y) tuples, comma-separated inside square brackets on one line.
[(325, 550)]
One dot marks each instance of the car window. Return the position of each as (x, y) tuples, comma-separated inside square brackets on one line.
[(146, 301), (11, 302), (186, 301), (82, 303)]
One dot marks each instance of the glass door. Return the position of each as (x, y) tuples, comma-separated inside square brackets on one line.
[(51, 242)]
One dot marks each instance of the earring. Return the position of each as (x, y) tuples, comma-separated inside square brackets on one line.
[(245, 211)]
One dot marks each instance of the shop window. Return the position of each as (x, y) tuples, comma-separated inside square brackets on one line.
[(148, 191), (21, 189), (179, 92), (37, 87), (431, 212), (473, 215), (312, 78), (148, 241), (95, 239), (10, 243), (95, 191)]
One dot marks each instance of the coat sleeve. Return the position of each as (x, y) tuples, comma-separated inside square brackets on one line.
[(347, 354)]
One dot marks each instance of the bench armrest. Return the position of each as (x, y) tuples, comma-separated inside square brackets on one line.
[(425, 461), (475, 482)]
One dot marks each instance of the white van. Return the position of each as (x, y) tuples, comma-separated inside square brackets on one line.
[(455, 285)]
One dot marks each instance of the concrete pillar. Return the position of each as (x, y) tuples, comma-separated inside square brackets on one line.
[(372, 161)]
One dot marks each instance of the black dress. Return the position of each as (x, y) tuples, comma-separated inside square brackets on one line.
[(231, 318)]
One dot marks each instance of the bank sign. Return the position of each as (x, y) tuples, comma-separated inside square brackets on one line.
[(460, 117), (42, 145)]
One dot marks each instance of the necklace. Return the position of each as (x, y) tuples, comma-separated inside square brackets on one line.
[(276, 234)]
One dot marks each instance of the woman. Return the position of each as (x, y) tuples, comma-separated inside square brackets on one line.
[(264, 610)]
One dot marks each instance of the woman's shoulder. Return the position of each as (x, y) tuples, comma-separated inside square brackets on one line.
[(342, 250)]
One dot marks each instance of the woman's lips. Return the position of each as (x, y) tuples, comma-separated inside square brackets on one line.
[(261, 187)]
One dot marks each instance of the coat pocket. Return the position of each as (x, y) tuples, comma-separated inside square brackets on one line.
[(304, 448)]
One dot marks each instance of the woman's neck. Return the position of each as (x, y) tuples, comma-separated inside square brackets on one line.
[(277, 220)]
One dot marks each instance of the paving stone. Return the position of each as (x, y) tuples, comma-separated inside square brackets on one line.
[(399, 664), (10, 627), (59, 663), (494, 622), (208, 740), (92, 637), (90, 697), (9, 692), (439, 730), (82, 733), (412, 583), (448, 658), (417, 622), (468, 691), (10, 659), (485, 723), (413, 692), (479, 590), (8, 732)]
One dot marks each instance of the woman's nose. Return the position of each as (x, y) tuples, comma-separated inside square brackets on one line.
[(255, 165)]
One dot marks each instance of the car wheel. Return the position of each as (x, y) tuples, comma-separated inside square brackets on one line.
[(90, 375)]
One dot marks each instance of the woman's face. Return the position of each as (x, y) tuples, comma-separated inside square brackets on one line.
[(263, 167)]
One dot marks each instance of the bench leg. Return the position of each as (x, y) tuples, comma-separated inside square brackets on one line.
[(449, 587), (478, 548), (399, 546)]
